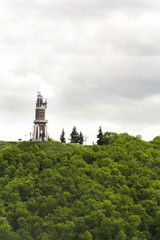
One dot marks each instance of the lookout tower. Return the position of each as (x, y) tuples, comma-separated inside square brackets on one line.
[(40, 124)]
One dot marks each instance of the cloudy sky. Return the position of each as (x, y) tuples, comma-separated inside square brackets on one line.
[(96, 61)]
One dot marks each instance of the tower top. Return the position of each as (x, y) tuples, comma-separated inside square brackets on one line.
[(40, 103)]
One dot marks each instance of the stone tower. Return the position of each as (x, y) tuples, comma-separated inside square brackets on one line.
[(40, 124)]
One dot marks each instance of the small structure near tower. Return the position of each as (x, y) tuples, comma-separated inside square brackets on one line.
[(40, 124)]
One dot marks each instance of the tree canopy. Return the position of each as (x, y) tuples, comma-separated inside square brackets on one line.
[(51, 190)]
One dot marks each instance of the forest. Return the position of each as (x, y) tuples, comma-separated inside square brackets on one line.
[(58, 191)]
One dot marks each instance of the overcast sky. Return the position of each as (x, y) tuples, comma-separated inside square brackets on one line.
[(96, 61)]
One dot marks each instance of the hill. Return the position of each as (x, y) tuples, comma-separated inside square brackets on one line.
[(55, 191)]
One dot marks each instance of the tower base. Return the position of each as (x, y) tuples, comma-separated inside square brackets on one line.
[(40, 132)]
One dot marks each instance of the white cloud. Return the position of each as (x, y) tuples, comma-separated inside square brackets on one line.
[(97, 62)]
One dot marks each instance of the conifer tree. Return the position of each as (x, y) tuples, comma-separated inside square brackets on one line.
[(100, 137), (62, 137), (74, 135), (81, 138)]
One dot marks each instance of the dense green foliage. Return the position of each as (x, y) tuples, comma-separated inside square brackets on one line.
[(57, 191)]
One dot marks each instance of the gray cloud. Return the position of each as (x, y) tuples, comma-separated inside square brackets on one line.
[(52, 8)]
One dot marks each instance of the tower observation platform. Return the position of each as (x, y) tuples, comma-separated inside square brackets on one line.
[(40, 123)]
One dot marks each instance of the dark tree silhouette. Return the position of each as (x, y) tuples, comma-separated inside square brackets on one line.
[(81, 138), (74, 135), (62, 137), (100, 137)]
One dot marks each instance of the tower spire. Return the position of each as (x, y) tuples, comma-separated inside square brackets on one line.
[(40, 123)]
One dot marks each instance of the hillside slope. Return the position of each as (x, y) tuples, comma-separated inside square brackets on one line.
[(55, 191)]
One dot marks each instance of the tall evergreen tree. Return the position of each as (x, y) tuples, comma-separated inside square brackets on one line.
[(74, 135), (62, 137), (100, 137), (81, 138)]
